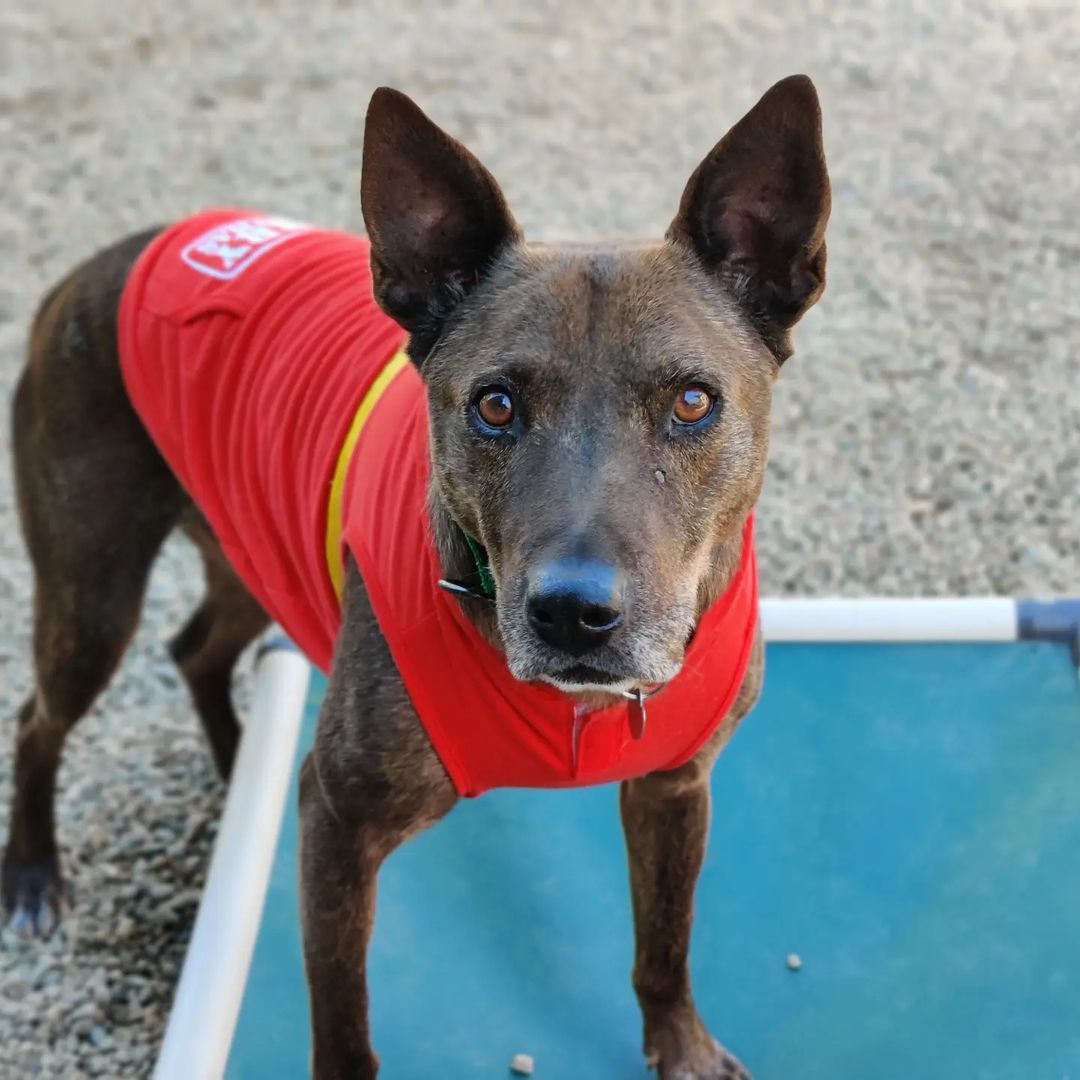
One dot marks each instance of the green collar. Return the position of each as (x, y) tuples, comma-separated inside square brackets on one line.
[(486, 589), (483, 569)]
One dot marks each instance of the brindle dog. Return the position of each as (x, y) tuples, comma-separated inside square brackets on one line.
[(601, 343)]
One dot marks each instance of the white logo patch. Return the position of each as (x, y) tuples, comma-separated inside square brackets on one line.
[(227, 250)]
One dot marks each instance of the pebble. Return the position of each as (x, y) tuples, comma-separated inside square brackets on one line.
[(82, 1025), (794, 962), (522, 1065), (121, 1013)]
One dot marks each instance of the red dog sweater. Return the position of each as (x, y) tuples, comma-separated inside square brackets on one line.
[(279, 395)]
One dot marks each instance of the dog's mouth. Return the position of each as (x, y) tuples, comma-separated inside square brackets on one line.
[(584, 678), (586, 673)]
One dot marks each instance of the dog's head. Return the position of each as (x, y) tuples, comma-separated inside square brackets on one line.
[(600, 415)]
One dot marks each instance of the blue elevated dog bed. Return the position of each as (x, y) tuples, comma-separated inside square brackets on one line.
[(903, 817)]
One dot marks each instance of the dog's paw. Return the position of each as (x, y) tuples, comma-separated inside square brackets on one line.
[(681, 1048), (717, 1064), (33, 894)]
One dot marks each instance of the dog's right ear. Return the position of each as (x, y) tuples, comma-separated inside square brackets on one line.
[(435, 216)]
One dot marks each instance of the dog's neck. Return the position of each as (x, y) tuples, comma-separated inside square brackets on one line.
[(458, 562), (724, 561)]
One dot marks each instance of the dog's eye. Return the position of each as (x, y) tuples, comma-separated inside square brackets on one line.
[(495, 407), (692, 404)]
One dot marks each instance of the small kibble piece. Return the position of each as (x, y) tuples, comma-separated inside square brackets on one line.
[(794, 961), (522, 1065)]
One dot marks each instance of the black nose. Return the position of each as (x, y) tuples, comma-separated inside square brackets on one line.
[(575, 604)]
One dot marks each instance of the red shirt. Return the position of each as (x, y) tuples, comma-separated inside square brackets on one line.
[(256, 357)]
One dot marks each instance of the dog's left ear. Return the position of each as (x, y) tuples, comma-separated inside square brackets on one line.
[(755, 210), (435, 216)]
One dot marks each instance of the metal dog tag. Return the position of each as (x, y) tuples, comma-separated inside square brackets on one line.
[(636, 710)]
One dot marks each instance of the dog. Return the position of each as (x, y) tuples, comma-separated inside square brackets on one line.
[(557, 456)]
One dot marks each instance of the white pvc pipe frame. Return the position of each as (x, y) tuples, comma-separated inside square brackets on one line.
[(211, 988), (989, 618)]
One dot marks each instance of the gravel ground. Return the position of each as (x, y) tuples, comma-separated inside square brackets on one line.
[(926, 437)]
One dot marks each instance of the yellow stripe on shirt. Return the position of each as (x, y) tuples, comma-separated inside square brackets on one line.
[(334, 520)]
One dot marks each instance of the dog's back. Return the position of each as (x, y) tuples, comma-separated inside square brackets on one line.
[(246, 344)]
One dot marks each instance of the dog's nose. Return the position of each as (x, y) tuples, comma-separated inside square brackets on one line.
[(575, 604)]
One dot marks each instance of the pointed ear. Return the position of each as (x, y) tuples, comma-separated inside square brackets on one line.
[(754, 212), (435, 216)]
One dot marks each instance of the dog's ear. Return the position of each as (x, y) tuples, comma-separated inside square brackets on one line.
[(755, 210), (435, 216)]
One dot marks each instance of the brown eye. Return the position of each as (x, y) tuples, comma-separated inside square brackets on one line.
[(692, 404), (495, 407)]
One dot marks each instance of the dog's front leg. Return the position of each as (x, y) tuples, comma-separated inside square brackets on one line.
[(338, 867), (371, 781), (666, 821), (339, 861)]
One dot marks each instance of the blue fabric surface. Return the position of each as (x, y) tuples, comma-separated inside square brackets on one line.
[(905, 818)]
